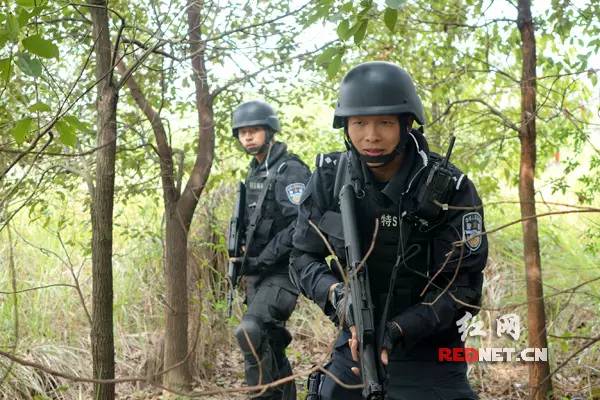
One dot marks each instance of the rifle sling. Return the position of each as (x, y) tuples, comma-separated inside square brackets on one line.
[(254, 219)]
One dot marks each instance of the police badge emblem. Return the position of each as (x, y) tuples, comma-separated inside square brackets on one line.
[(472, 226), (294, 192)]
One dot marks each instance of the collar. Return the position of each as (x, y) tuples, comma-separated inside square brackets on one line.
[(274, 155), (416, 155)]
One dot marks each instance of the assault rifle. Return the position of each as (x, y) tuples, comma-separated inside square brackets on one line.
[(362, 304), (234, 244)]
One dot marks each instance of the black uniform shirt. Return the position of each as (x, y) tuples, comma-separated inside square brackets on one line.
[(272, 241), (462, 271)]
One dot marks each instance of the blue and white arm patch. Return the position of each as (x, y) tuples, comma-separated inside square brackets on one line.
[(294, 192), (472, 227)]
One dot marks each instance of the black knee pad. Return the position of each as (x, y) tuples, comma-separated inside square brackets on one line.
[(280, 338), (249, 328)]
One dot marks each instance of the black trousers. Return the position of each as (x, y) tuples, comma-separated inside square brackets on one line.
[(271, 301), (406, 380)]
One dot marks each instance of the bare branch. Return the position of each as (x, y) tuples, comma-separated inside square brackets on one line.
[(164, 150), (144, 46), (262, 23), (246, 77), (39, 288), (504, 119)]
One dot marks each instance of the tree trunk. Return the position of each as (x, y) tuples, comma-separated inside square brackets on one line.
[(176, 333), (180, 218), (103, 349), (539, 372), (179, 211)]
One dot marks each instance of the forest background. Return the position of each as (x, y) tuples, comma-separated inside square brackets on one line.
[(119, 172)]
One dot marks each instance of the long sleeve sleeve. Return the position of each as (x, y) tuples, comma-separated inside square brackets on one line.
[(288, 189), (309, 271), (460, 275)]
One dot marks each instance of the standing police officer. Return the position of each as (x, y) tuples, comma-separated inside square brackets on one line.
[(436, 253), (275, 182)]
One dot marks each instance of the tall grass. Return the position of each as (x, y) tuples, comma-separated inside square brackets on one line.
[(55, 331), (568, 260)]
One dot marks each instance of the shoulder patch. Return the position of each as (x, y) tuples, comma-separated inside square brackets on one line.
[(472, 227), (294, 192), (327, 160)]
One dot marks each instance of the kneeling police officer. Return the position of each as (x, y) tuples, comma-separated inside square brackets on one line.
[(275, 182), (425, 265)]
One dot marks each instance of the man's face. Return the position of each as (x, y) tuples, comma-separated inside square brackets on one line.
[(374, 135), (252, 138)]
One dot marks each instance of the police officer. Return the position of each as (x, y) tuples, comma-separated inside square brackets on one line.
[(275, 182), (437, 252)]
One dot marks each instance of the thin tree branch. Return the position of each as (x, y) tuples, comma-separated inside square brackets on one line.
[(262, 23), (246, 77)]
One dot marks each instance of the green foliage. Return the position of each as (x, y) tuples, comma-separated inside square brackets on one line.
[(40, 46), (21, 129), (67, 133), (361, 31), (30, 66), (390, 17), (457, 58), (5, 65), (40, 107)]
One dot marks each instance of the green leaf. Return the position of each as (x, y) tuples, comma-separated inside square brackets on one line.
[(390, 16), (359, 35), (320, 12), (67, 133), (24, 16), (326, 56), (40, 107), (26, 3), (334, 66), (5, 69), (75, 122), (343, 30), (29, 66), (12, 28), (346, 8), (41, 47), (396, 4), (3, 38), (21, 129)]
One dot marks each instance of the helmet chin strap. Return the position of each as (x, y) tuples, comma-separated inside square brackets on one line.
[(381, 160)]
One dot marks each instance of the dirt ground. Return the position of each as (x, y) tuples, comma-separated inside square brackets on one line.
[(492, 381)]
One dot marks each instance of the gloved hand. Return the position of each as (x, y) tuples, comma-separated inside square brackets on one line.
[(391, 336), (253, 266), (340, 300)]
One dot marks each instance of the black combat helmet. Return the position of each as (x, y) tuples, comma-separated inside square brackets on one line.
[(254, 113), (376, 88)]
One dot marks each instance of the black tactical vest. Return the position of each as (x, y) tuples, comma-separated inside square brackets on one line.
[(270, 221), (414, 259)]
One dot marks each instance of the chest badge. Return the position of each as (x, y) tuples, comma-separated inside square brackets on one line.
[(294, 192), (472, 225), (388, 221)]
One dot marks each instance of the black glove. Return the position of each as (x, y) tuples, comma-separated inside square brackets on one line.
[(391, 336), (253, 266), (340, 300)]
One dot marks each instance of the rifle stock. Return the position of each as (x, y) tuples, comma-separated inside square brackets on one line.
[(234, 244), (362, 304)]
